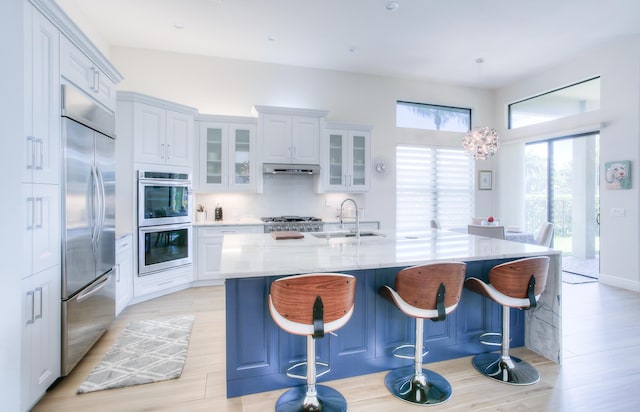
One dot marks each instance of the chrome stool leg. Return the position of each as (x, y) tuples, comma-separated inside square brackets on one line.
[(503, 367), (311, 397), (415, 384)]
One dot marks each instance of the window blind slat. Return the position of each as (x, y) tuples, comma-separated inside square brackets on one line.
[(432, 183)]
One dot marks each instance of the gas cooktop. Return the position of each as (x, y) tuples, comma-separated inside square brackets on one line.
[(288, 219), (296, 223)]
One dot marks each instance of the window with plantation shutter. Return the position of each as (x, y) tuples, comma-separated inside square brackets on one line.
[(432, 183)]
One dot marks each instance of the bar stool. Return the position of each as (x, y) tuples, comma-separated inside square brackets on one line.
[(515, 284), (312, 305), (430, 291)]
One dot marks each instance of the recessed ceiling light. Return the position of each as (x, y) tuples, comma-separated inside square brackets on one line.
[(391, 6), (178, 26)]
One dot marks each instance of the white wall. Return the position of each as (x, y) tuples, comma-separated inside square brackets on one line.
[(228, 87), (618, 120)]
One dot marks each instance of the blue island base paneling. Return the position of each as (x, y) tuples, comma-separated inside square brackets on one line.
[(259, 352)]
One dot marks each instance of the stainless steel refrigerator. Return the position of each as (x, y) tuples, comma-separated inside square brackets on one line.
[(88, 215)]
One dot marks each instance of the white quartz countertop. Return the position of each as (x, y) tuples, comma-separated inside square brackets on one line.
[(249, 255)]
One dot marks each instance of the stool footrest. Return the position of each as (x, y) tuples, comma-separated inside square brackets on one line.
[(395, 351), (320, 371), (491, 339)]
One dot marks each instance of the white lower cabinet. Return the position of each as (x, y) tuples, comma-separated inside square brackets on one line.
[(124, 272), (161, 282), (40, 333), (209, 248)]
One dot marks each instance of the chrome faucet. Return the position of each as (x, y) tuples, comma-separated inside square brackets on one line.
[(355, 205)]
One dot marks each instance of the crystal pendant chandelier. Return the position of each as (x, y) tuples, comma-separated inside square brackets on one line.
[(481, 142)]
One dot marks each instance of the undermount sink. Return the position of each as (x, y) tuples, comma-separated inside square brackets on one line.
[(343, 234)]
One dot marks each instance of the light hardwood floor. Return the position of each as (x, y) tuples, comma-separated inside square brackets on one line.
[(600, 369)]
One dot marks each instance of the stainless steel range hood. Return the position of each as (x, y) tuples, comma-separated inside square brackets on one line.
[(290, 169)]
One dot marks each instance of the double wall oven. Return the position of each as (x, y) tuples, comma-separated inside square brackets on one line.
[(164, 221)]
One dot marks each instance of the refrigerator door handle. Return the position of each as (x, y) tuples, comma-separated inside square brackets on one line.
[(94, 211), (101, 206), (93, 289)]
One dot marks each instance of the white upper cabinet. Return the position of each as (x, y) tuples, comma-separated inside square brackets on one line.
[(42, 100), (227, 154), (162, 132), (346, 158), (162, 136), (149, 135), (180, 139), (289, 135), (79, 69)]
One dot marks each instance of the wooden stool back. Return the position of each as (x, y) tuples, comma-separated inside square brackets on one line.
[(418, 285), (512, 278), (293, 297)]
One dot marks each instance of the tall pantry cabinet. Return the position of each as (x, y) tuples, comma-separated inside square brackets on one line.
[(31, 32), (41, 201)]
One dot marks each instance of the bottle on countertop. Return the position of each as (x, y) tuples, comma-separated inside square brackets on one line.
[(218, 213)]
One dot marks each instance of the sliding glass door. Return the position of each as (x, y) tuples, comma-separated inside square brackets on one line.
[(562, 188)]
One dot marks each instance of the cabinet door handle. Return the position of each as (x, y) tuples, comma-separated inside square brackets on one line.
[(168, 151), (93, 78), (39, 146), (161, 150), (31, 153), (118, 273), (31, 319), (39, 214), (96, 79), (39, 312), (30, 213)]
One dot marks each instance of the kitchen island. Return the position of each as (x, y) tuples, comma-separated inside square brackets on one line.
[(258, 352)]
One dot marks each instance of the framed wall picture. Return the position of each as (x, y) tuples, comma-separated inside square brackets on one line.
[(618, 174), (485, 179)]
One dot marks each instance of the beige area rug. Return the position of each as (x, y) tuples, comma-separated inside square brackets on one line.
[(146, 351)]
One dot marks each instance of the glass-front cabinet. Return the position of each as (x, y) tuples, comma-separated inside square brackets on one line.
[(227, 155), (346, 159)]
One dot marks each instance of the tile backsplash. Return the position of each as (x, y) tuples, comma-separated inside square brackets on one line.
[(282, 195)]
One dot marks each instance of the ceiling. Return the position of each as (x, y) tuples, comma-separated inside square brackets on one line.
[(436, 40)]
